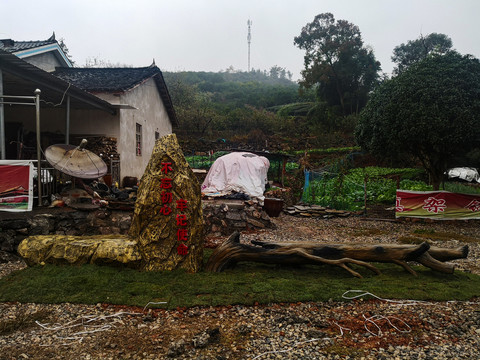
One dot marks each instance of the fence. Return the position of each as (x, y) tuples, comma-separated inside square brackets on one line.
[(50, 180), (334, 190), (353, 189)]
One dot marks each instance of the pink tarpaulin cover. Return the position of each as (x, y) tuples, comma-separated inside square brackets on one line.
[(442, 205), (240, 172)]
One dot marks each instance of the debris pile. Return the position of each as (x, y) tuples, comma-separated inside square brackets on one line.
[(222, 217), (315, 211), (105, 147)]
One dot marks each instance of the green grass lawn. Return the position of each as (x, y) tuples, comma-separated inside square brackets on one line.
[(248, 283)]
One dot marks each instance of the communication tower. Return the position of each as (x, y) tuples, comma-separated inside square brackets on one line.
[(249, 38)]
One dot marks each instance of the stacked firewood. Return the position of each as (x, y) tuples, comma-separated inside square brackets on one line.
[(315, 211), (103, 146)]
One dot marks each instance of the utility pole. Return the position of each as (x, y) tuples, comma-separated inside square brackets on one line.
[(249, 38)]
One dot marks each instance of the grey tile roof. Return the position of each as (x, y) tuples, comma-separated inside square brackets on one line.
[(116, 80), (21, 78), (12, 46), (106, 79)]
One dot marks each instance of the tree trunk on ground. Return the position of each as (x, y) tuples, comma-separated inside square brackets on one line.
[(231, 252)]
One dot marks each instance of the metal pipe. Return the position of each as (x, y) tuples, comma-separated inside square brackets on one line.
[(67, 122), (2, 122), (15, 103), (18, 97), (37, 93)]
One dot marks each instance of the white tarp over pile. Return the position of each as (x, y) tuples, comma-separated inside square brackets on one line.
[(238, 172), (468, 174)]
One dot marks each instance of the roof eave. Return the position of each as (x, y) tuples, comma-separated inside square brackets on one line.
[(18, 67), (58, 52)]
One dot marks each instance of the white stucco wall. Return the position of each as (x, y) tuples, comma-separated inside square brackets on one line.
[(46, 61), (151, 114)]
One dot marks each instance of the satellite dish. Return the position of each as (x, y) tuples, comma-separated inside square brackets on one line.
[(76, 161)]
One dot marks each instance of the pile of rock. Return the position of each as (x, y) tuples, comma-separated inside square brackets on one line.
[(222, 217), (315, 211)]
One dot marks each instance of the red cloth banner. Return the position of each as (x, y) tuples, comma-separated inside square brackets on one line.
[(16, 186), (441, 205)]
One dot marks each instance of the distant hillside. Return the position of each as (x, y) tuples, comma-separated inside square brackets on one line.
[(237, 89)]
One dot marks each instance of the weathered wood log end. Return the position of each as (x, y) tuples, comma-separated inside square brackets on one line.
[(443, 254), (301, 253)]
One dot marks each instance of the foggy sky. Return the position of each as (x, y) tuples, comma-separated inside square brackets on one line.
[(211, 35)]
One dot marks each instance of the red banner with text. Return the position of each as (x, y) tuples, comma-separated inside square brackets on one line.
[(16, 185), (441, 205)]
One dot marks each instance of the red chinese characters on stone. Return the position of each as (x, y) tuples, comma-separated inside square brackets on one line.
[(182, 220), (182, 249), (167, 197), (182, 205), (165, 210), (166, 183), (182, 234), (166, 167)]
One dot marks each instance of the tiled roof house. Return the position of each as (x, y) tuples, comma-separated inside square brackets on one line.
[(44, 54), (130, 104)]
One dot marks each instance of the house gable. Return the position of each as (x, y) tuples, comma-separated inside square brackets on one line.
[(144, 104), (118, 81), (44, 54)]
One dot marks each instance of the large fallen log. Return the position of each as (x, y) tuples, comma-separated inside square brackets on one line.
[(232, 251)]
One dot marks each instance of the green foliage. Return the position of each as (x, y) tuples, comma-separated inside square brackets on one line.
[(461, 188), (414, 51), (337, 63), (346, 191), (340, 150), (429, 113), (236, 89), (204, 161)]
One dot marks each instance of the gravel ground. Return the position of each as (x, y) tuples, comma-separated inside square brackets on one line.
[(363, 328)]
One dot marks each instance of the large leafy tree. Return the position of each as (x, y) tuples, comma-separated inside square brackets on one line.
[(414, 51), (337, 63), (430, 113)]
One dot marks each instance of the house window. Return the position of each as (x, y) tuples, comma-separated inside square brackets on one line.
[(138, 138), (157, 135)]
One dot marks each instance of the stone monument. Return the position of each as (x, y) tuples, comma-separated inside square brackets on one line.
[(167, 220), (167, 226)]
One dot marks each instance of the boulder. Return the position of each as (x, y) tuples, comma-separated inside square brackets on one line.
[(169, 235), (166, 230), (77, 250)]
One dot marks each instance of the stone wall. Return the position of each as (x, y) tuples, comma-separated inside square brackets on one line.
[(16, 227), (221, 217)]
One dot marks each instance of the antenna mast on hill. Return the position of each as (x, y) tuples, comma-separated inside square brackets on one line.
[(249, 38)]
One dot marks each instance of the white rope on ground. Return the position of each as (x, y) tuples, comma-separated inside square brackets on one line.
[(154, 303), (398, 302), (372, 319), (87, 322), (341, 328), (289, 349)]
